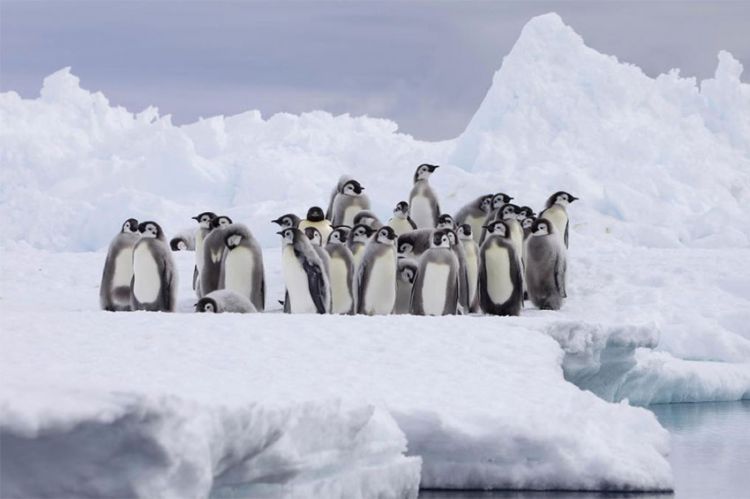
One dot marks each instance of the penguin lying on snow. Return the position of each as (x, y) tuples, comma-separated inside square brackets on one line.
[(154, 283), (114, 292), (225, 300)]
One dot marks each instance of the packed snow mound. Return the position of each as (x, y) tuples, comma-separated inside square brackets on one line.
[(657, 162)]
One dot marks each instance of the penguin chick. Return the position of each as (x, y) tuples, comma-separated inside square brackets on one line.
[(316, 219), (366, 217), (183, 241), (435, 290), (307, 285), (376, 275), (242, 268), (358, 238), (424, 207), (500, 281), (471, 250), (414, 243), (475, 214), (407, 273), (347, 200), (463, 273), (555, 210), (545, 269), (445, 221), (214, 247), (401, 222), (225, 300), (341, 273), (204, 227), (114, 291), (154, 283), (287, 221)]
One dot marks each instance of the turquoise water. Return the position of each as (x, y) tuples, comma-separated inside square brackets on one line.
[(710, 456)]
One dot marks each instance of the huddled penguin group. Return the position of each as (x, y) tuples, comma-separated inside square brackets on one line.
[(489, 258)]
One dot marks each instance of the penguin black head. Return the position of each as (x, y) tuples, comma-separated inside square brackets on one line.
[(130, 226), (206, 304), (361, 233), (528, 222), (315, 214), (407, 270), (314, 236), (541, 227), (178, 244), (440, 239), (560, 197), (204, 219), (233, 239), (508, 211), (464, 231), (220, 221), (351, 188), (424, 171), (497, 228), (500, 199), (288, 220), (290, 235), (401, 209), (386, 235), (445, 221), (338, 234), (151, 229), (404, 248), (525, 212), (485, 203)]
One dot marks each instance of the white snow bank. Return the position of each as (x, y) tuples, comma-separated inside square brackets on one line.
[(657, 162)]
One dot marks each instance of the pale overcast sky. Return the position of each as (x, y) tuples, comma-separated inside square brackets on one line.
[(426, 65)]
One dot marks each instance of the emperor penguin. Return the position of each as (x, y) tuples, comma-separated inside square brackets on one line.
[(307, 285), (525, 212), (341, 273), (475, 214), (376, 275), (183, 241), (445, 221), (414, 243), (463, 275), (471, 250), (498, 201), (366, 217), (225, 300), (500, 281), (435, 290), (204, 227), (315, 218), (545, 270), (114, 292), (526, 225), (214, 247), (424, 208), (407, 272), (288, 220), (317, 243), (154, 283), (401, 222), (555, 210), (347, 200), (509, 215), (242, 269), (357, 241)]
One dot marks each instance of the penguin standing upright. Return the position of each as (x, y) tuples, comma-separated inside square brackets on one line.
[(114, 292), (242, 270), (424, 208), (154, 283), (347, 200), (287, 221), (225, 300), (498, 201), (376, 275), (317, 243), (401, 222), (471, 250), (435, 290), (475, 214), (407, 272), (545, 272), (341, 273), (214, 247), (204, 227), (463, 273), (500, 281), (308, 289), (315, 218), (555, 210), (357, 241)]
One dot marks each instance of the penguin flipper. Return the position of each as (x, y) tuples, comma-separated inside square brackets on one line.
[(316, 284), (195, 276), (167, 296), (566, 233)]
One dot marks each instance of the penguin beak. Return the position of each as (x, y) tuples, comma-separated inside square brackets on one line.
[(510, 198), (572, 198), (434, 167), (197, 219), (281, 232)]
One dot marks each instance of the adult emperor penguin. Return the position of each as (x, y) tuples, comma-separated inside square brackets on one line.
[(368, 218), (307, 285), (242, 269), (315, 218), (341, 273), (424, 208), (376, 275), (114, 292), (347, 200), (475, 214), (463, 275), (500, 281), (401, 222), (414, 243), (204, 227), (545, 269), (555, 210), (445, 221), (225, 300), (288, 220), (154, 283), (357, 241), (407, 272), (471, 250), (214, 247), (183, 241), (435, 289)]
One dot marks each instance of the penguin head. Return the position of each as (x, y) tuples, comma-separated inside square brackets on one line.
[(401, 210), (364, 217), (404, 248), (560, 197), (150, 229), (497, 228), (485, 203), (541, 227), (386, 235), (528, 222), (407, 270), (500, 199), (360, 233), (314, 236), (220, 221), (338, 235), (464, 232), (509, 212), (204, 219), (130, 226), (524, 212), (289, 235), (445, 221), (315, 214), (440, 239), (424, 171), (288, 220), (232, 240), (352, 188), (178, 244), (452, 238), (206, 304)]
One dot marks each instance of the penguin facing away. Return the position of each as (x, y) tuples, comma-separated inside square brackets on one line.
[(242, 269), (114, 291), (204, 227), (358, 238), (154, 283), (435, 290), (555, 210), (475, 214), (376, 275), (545, 270), (308, 289), (500, 281), (341, 273), (424, 208), (214, 247), (225, 300), (316, 218), (401, 222), (471, 250), (407, 273), (287, 221), (347, 200)]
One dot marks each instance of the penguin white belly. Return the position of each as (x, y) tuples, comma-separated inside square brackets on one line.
[(499, 285), (238, 271), (358, 251), (297, 284), (199, 249), (380, 295), (559, 218), (472, 269), (476, 226), (400, 225), (421, 212), (342, 298), (123, 268), (349, 214), (147, 282), (434, 287)]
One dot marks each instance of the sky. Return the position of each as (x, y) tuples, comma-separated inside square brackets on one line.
[(425, 65)]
